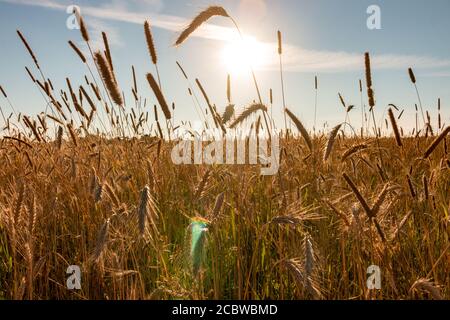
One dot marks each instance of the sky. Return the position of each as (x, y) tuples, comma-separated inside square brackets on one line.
[(323, 38)]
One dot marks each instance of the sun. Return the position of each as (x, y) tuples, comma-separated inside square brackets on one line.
[(240, 54)]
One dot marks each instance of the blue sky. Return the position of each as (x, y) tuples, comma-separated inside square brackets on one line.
[(326, 38)]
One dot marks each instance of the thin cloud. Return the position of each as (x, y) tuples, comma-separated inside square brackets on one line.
[(296, 59)]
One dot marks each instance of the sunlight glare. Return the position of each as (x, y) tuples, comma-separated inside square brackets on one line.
[(238, 55)]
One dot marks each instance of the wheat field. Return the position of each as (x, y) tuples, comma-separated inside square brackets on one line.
[(90, 182)]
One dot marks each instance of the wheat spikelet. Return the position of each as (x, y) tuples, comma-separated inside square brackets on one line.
[(150, 42), (27, 46), (201, 18), (18, 204), (436, 142), (83, 29), (368, 70), (370, 93), (358, 195), (107, 51), (280, 42), (29, 124), (331, 140), (159, 96), (398, 138), (300, 128), (77, 51), (218, 205), (412, 77), (202, 185), (89, 100), (146, 210), (228, 113), (108, 78), (247, 113), (351, 151), (294, 266)]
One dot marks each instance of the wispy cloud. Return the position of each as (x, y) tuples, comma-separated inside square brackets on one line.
[(296, 58)]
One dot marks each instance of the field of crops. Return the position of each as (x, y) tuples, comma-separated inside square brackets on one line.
[(90, 182)]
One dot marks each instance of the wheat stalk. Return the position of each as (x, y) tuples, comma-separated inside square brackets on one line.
[(201, 18), (300, 128), (398, 138), (159, 96), (331, 140), (247, 113), (108, 78), (436, 142)]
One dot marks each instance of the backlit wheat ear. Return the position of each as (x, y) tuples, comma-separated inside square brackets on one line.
[(108, 52), (78, 51), (368, 70), (247, 113), (108, 78), (199, 20), (159, 96), (398, 138), (280, 43), (228, 114), (412, 76), (330, 142), (300, 128), (150, 42), (83, 30), (27, 46)]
